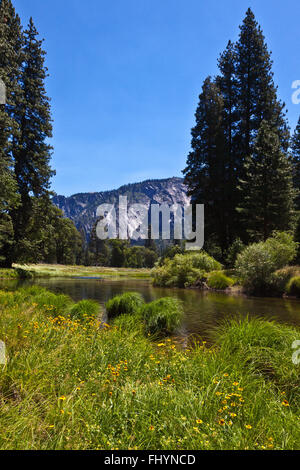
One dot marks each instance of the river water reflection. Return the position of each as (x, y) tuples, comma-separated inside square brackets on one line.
[(203, 310)]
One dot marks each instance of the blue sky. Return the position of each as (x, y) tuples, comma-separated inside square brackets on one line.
[(126, 75)]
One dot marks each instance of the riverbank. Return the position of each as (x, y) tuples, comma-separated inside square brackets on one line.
[(69, 384), (64, 271)]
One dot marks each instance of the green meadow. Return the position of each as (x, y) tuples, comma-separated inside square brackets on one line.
[(72, 381)]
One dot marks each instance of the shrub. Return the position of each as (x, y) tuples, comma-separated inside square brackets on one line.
[(281, 278), (218, 280), (84, 309), (258, 262), (128, 303), (184, 270), (282, 249), (24, 273), (293, 287), (233, 251), (162, 316), (8, 273)]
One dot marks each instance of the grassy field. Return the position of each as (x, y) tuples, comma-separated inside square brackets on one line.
[(81, 384), (55, 270)]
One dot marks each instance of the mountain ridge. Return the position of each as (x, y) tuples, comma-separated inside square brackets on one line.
[(81, 207)]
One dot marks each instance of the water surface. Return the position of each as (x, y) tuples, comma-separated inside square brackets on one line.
[(202, 310)]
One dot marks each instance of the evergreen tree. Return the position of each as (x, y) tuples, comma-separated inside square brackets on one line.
[(99, 250), (296, 162), (256, 92), (230, 113), (227, 84), (30, 150), (205, 173), (10, 62), (8, 201), (267, 187)]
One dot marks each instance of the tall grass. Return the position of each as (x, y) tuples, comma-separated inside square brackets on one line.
[(128, 303), (84, 310), (219, 281), (162, 316), (293, 287), (73, 385)]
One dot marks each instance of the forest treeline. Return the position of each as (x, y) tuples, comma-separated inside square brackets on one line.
[(244, 164)]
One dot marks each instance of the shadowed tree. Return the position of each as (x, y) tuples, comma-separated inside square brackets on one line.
[(10, 69), (267, 188)]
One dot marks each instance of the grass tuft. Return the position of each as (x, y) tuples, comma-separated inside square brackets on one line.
[(293, 287), (219, 281), (163, 316), (84, 310), (128, 303)]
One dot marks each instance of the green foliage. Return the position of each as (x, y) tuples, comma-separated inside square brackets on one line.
[(119, 253), (239, 146), (31, 151), (8, 274), (233, 251), (258, 262), (10, 61), (23, 273), (219, 281), (214, 250), (163, 316), (204, 173), (128, 303), (264, 348), (56, 304), (293, 287), (296, 161), (66, 378), (31, 229), (267, 193), (84, 310), (281, 278), (184, 270), (129, 323), (282, 248)]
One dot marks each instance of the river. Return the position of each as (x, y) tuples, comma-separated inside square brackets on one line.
[(202, 309)]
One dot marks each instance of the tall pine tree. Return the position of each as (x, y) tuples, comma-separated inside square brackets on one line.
[(31, 151), (227, 84), (246, 89), (296, 161), (10, 69), (205, 170), (256, 92)]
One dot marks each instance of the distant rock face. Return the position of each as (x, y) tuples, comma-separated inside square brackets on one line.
[(81, 208)]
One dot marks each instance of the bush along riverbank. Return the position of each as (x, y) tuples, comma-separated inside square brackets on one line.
[(72, 382), (260, 269)]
